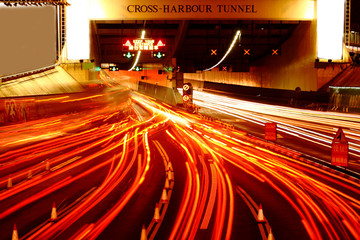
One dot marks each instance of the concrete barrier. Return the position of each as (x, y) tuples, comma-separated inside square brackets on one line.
[(303, 99), (168, 95), (17, 110)]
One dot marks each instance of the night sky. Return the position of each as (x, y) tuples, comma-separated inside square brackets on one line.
[(355, 12)]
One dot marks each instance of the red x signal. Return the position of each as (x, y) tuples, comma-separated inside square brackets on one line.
[(247, 52), (275, 52), (213, 51), (224, 68), (186, 98)]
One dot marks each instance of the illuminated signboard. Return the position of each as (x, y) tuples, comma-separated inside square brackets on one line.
[(340, 149), (143, 45), (330, 29), (270, 131)]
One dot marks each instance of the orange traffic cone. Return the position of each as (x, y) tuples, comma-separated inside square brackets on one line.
[(169, 167), (15, 233), (157, 213), (164, 197), (47, 166), (271, 236), (9, 183), (29, 174), (167, 184), (53, 212), (143, 233), (170, 175), (260, 217)]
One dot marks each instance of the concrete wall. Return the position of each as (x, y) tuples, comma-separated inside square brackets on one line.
[(295, 67), (132, 78), (168, 95), (251, 78)]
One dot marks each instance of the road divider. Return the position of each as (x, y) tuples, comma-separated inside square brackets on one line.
[(156, 213), (164, 198), (161, 207), (258, 214)]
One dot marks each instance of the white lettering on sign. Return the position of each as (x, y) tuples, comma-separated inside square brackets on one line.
[(143, 44)]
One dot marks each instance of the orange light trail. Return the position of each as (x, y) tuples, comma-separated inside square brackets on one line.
[(184, 204)]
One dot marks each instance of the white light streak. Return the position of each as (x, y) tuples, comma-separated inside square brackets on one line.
[(138, 53), (306, 129), (238, 35)]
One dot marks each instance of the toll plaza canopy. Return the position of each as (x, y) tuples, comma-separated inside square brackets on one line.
[(195, 34)]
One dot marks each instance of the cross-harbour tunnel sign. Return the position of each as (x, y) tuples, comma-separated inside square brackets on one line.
[(201, 9), (187, 8)]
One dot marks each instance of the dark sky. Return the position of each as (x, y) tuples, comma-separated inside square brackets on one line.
[(355, 11)]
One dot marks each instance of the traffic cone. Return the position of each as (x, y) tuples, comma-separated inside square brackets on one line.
[(260, 217), (9, 183), (271, 236), (15, 235), (157, 213), (170, 175), (167, 184), (164, 197), (169, 166), (29, 174), (53, 212), (143, 233), (47, 167)]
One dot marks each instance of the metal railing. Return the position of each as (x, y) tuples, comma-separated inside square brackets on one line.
[(354, 39)]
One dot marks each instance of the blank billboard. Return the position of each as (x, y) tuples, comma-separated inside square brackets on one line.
[(27, 39)]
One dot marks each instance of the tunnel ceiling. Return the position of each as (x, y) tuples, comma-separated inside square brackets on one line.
[(192, 42)]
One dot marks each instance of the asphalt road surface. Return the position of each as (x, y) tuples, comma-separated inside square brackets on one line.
[(150, 170)]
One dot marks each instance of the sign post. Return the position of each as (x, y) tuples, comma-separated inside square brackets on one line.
[(270, 131), (339, 150)]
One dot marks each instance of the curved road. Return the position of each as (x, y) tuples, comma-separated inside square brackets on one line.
[(161, 172)]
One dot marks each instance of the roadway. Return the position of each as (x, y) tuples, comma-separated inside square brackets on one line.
[(106, 171), (309, 132)]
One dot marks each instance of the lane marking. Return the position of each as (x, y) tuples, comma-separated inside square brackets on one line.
[(65, 163)]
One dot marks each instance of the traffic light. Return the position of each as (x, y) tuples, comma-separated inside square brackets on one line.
[(128, 55), (138, 68), (158, 55), (187, 93), (113, 68), (186, 98)]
